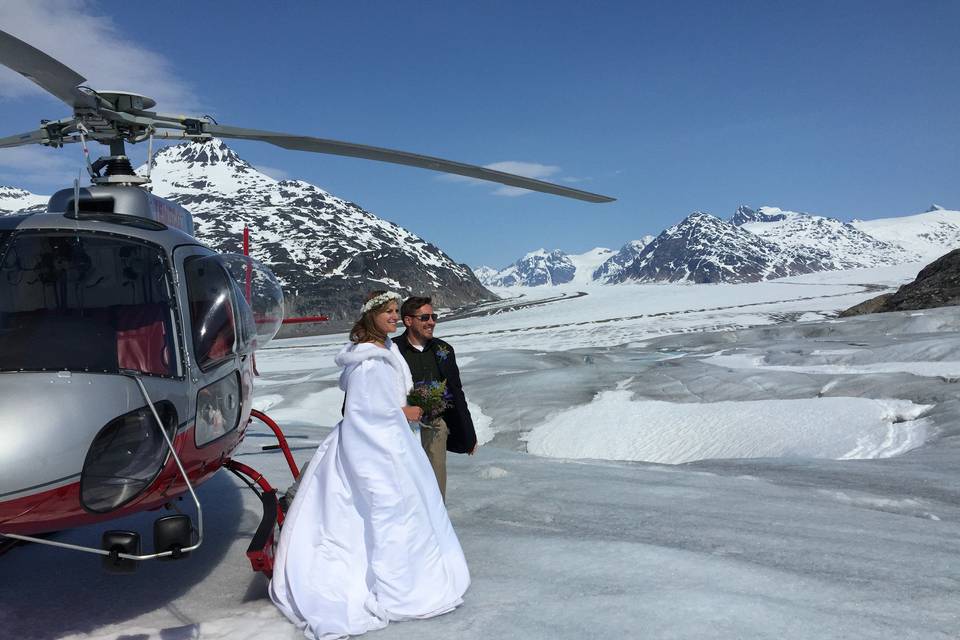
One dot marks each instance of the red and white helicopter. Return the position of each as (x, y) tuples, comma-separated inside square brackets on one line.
[(126, 345)]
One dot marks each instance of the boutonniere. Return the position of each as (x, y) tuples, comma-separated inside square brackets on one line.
[(442, 353)]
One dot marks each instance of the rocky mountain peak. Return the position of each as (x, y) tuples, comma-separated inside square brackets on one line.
[(745, 215), (201, 154), (705, 249), (698, 217)]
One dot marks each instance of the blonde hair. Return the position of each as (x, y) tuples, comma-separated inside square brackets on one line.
[(365, 329)]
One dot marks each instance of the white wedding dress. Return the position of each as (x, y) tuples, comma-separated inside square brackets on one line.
[(367, 538)]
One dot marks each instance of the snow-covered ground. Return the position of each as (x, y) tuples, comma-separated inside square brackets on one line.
[(712, 461)]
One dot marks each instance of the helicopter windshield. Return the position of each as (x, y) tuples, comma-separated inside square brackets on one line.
[(84, 302)]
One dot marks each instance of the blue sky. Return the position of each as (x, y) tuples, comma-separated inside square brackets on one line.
[(847, 109)]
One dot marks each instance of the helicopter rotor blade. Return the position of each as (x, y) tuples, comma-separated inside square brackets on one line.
[(111, 119), (32, 137), (48, 73), (336, 147)]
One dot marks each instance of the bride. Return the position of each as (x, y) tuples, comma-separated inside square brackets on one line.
[(367, 538)]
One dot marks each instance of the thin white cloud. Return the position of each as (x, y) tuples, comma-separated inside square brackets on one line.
[(510, 192), (35, 157), (93, 46), (526, 169), (21, 166), (273, 172)]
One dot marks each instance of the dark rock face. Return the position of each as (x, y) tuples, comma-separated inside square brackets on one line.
[(327, 252), (873, 305), (745, 214), (937, 285)]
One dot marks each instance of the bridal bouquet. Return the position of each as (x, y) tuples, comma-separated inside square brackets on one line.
[(432, 397)]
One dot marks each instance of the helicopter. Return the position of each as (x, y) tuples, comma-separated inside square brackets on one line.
[(127, 345)]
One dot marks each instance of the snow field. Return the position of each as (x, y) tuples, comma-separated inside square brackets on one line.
[(616, 427), (788, 546)]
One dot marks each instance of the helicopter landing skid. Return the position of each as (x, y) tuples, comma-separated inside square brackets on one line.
[(261, 548), (267, 420)]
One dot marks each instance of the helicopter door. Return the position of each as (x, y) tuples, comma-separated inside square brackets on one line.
[(222, 330)]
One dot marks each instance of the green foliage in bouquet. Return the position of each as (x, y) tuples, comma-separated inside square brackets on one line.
[(432, 397)]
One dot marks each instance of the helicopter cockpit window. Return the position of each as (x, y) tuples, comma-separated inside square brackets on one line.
[(211, 294), (84, 302)]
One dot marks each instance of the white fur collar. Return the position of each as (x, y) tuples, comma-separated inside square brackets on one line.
[(354, 354)]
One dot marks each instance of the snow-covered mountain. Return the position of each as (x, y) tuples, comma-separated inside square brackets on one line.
[(534, 269), (705, 249), (759, 244), (769, 242), (544, 267), (14, 200), (930, 234), (836, 244)]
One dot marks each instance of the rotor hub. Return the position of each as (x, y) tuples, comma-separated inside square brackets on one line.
[(126, 101)]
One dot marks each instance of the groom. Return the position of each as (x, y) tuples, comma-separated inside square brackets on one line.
[(432, 360)]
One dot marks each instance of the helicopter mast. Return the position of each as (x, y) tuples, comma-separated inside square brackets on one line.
[(116, 167)]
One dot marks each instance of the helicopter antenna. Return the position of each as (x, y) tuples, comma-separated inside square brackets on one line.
[(150, 153), (76, 198)]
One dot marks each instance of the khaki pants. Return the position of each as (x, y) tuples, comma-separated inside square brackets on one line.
[(433, 437)]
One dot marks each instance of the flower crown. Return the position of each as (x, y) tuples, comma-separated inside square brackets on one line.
[(383, 298)]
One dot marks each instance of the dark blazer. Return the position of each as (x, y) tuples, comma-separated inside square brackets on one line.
[(463, 436)]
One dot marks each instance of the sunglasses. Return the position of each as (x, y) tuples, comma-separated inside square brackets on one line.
[(423, 317)]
